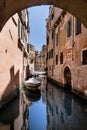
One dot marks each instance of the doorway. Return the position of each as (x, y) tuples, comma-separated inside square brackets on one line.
[(67, 78)]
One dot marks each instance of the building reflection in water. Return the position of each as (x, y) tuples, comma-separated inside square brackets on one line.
[(64, 112), (32, 95), (43, 80), (37, 110), (56, 109), (15, 115), (68, 104), (10, 113)]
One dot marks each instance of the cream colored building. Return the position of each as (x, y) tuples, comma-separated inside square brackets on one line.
[(67, 50), (50, 38), (43, 56), (37, 61), (31, 58), (13, 55), (40, 59)]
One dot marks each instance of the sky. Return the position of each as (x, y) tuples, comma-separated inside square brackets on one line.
[(37, 23)]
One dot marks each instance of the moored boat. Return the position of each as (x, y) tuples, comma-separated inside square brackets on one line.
[(32, 83)]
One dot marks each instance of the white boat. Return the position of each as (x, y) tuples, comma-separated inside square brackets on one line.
[(32, 84), (40, 72)]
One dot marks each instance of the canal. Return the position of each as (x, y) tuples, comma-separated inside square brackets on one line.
[(51, 108)]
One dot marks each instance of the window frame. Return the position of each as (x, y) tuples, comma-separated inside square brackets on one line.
[(69, 27), (56, 59), (61, 57), (77, 27), (84, 62)]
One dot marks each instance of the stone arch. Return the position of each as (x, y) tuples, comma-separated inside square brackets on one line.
[(67, 78), (9, 7)]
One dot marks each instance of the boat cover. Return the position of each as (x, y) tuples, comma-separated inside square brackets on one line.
[(32, 80)]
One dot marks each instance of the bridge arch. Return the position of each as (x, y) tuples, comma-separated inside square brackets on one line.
[(77, 8)]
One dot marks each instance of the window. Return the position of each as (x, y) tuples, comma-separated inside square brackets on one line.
[(69, 28), (14, 21), (57, 39), (31, 61), (21, 32), (18, 28), (84, 57), (56, 59), (28, 48), (47, 40), (52, 34), (61, 58), (78, 27), (52, 15), (10, 34), (51, 53)]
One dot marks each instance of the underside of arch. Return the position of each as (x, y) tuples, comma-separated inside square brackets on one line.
[(9, 7)]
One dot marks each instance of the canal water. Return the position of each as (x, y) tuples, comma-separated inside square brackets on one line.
[(51, 108)]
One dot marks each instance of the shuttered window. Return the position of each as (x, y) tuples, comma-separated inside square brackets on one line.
[(61, 58), (84, 57), (69, 28), (47, 40), (56, 59), (57, 39), (78, 27)]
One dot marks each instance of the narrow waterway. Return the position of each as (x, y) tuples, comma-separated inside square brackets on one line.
[(48, 109)]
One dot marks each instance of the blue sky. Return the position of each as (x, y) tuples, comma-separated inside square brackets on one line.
[(37, 19)]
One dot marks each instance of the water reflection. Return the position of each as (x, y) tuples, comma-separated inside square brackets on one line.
[(48, 109), (65, 112), (14, 116), (37, 110), (10, 110), (10, 113), (37, 116), (32, 95), (68, 104)]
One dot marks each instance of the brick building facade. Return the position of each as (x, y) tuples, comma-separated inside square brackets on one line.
[(66, 50)]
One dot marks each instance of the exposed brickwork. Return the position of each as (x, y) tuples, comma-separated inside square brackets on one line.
[(72, 48)]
